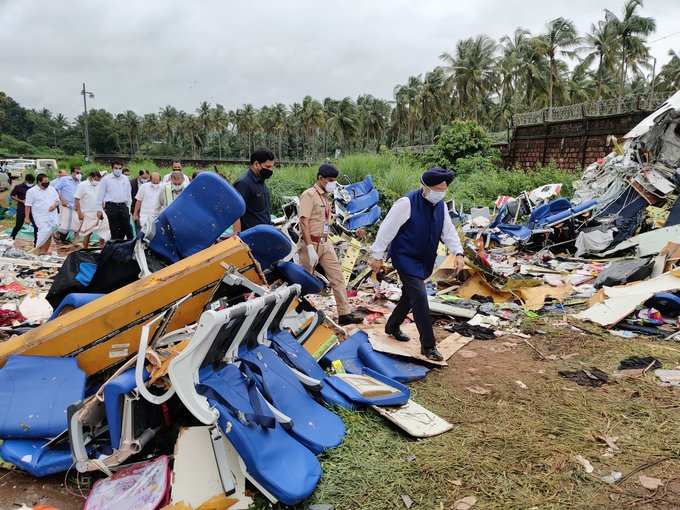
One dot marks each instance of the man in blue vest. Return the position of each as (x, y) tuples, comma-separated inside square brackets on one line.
[(410, 234)]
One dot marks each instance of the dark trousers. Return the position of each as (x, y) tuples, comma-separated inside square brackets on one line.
[(119, 220), (413, 297), (20, 219)]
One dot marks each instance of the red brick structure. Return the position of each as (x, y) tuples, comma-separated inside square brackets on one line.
[(569, 144)]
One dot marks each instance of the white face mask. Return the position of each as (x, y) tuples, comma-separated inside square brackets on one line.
[(434, 196), (94, 183), (330, 186)]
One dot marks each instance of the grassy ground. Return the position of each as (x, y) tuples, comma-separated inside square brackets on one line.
[(481, 183), (514, 448)]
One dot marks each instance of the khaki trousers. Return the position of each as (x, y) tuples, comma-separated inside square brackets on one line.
[(328, 260)]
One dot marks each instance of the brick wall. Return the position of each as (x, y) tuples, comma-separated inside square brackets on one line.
[(569, 144)]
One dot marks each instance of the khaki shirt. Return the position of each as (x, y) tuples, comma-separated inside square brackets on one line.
[(315, 204)]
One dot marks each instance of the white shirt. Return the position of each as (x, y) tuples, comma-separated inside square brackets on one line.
[(148, 194), (40, 200), (115, 189), (87, 193), (166, 178), (397, 216)]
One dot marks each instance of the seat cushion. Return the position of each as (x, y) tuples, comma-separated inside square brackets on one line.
[(363, 219), (267, 244), (292, 273), (357, 354), (35, 392), (74, 300), (362, 203), (31, 456), (113, 394), (283, 466), (583, 206), (197, 217), (313, 425)]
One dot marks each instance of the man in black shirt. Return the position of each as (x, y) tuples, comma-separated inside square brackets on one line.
[(251, 186), (18, 194)]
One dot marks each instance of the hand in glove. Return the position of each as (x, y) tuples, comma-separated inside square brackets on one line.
[(313, 257)]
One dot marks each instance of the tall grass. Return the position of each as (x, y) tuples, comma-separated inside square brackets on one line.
[(480, 183)]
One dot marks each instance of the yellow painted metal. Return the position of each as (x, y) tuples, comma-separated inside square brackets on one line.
[(106, 331)]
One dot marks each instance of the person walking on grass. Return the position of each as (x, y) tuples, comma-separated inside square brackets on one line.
[(169, 191), (68, 219), (251, 185), (89, 210), (147, 202), (114, 195), (314, 248), (410, 233), (42, 202), (18, 194)]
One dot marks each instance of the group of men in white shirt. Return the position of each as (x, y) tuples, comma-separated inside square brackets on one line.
[(98, 205)]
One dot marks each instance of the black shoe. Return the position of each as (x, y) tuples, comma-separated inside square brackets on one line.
[(350, 318), (397, 334), (432, 353)]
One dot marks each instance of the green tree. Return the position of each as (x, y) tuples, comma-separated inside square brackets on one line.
[(631, 31)]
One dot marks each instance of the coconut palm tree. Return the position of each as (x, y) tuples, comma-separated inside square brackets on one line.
[(669, 77), (601, 44), (279, 118), (472, 71), (168, 118), (312, 120), (343, 122), (632, 31), (219, 121), (560, 39)]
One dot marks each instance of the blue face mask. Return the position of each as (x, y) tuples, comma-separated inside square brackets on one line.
[(117, 172)]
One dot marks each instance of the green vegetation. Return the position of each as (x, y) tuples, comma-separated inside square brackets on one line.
[(479, 180), (483, 80), (514, 448)]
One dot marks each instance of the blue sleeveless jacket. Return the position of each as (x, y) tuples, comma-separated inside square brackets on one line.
[(414, 248)]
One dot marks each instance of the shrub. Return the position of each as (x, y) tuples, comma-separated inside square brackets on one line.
[(462, 139)]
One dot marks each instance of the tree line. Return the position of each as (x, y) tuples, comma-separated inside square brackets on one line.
[(481, 79)]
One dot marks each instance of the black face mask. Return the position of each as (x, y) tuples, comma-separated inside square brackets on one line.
[(44, 185), (266, 173)]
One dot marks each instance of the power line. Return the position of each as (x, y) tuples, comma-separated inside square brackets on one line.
[(664, 37)]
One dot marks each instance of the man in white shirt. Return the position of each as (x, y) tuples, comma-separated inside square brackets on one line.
[(176, 167), (410, 233), (42, 201), (115, 197), (147, 202), (89, 210), (171, 190)]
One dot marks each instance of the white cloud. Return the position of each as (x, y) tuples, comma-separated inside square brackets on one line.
[(143, 55)]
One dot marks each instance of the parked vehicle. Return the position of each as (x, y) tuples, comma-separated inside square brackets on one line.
[(46, 165), (17, 167)]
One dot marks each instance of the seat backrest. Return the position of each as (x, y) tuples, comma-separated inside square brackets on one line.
[(198, 216), (267, 244), (216, 341)]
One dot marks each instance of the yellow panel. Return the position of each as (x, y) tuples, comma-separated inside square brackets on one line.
[(106, 331)]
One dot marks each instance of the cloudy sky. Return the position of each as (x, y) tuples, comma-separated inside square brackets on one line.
[(141, 55)]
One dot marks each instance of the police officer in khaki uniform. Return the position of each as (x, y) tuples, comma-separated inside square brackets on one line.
[(314, 248)]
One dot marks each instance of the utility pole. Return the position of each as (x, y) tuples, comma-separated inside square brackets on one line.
[(85, 95)]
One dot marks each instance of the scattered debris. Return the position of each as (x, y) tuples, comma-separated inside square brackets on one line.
[(465, 503), (649, 482), (585, 463), (594, 377), (408, 502)]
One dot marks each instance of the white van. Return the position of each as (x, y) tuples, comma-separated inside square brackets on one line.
[(46, 165), (17, 167)]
